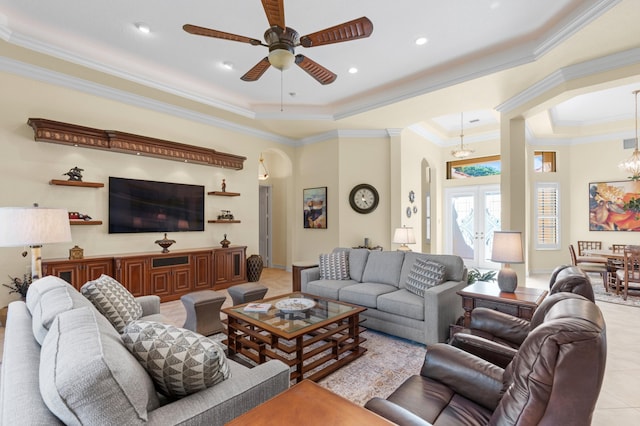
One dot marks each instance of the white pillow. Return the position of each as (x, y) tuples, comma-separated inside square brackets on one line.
[(179, 361), (113, 301), (334, 266), (423, 275)]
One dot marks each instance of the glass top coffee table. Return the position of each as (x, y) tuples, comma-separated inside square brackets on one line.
[(312, 335)]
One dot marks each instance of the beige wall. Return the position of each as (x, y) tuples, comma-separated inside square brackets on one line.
[(27, 167)]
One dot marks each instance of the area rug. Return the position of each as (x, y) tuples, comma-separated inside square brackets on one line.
[(388, 362), (633, 299)]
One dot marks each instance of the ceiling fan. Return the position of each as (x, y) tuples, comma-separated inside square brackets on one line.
[(282, 41)]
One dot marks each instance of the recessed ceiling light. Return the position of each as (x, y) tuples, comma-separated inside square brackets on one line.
[(227, 65), (142, 27), (353, 70), (494, 5), (421, 40)]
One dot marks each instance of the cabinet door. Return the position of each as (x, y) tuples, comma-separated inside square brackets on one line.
[(238, 266), (160, 281), (94, 269), (132, 273), (221, 267), (202, 271), (70, 272), (182, 279)]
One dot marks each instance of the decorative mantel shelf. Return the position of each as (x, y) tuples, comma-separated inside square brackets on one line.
[(71, 134)]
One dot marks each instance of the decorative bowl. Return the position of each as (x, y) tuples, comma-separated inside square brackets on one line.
[(293, 305)]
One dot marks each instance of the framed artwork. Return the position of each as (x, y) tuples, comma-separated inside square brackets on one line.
[(315, 207), (614, 206)]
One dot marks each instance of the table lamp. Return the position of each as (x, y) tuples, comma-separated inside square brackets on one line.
[(404, 236), (33, 227), (507, 249)]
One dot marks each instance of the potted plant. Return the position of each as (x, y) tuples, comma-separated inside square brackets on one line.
[(475, 275), (19, 286)]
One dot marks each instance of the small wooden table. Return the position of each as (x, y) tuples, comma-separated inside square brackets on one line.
[(296, 271), (308, 404), (522, 303)]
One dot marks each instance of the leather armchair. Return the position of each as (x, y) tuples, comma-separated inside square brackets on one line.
[(496, 336), (545, 384)]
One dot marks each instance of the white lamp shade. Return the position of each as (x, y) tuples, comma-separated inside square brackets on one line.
[(507, 247), (22, 226), (404, 236)]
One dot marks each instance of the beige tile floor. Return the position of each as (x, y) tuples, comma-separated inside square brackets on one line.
[(619, 401)]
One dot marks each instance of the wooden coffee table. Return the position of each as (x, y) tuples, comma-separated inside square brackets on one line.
[(308, 404), (315, 342), (522, 303)]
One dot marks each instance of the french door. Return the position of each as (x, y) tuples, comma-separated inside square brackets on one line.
[(472, 214)]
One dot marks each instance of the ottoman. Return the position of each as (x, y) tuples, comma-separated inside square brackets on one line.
[(244, 293), (203, 311)]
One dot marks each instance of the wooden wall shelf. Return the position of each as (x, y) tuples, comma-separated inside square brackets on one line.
[(223, 221), (224, 194), (71, 134), (76, 183), (85, 222)]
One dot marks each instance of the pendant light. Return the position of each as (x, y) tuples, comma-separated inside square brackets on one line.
[(463, 151), (632, 164), (263, 174)]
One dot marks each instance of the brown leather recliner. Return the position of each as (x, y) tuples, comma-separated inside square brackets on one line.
[(554, 379), (496, 336)]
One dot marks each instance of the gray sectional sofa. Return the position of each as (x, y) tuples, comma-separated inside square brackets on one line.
[(377, 281), (86, 375)]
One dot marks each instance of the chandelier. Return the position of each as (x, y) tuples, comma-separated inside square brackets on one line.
[(632, 164), (463, 151), (263, 174)]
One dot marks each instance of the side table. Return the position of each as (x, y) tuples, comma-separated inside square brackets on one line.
[(296, 269), (522, 303)]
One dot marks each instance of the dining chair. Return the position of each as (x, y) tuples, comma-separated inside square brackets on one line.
[(588, 245), (631, 271), (591, 264)]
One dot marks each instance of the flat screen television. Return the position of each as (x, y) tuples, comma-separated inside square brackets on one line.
[(149, 206)]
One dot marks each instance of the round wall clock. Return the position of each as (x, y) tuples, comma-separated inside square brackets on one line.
[(364, 198)]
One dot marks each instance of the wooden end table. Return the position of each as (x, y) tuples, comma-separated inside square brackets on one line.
[(522, 303), (296, 270), (308, 404)]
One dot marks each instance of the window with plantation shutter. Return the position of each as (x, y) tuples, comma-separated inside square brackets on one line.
[(547, 216)]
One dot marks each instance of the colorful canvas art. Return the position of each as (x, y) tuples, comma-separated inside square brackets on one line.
[(614, 206)]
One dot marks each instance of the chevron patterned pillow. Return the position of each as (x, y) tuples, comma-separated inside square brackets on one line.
[(179, 361), (423, 275), (113, 301), (334, 266)]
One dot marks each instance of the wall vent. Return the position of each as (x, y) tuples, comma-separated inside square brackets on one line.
[(629, 143)]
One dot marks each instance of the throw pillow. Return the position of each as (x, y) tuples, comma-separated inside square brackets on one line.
[(334, 266), (113, 301), (179, 361), (423, 275)]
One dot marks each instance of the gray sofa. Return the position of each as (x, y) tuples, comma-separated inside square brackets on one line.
[(105, 384), (377, 282)]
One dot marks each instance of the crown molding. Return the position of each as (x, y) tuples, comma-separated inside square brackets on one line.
[(567, 74), (55, 78)]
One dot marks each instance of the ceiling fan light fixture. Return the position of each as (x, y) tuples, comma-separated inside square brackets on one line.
[(281, 58), (632, 164)]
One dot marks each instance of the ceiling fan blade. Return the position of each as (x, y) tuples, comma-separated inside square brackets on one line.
[(315, 70), (275, 12), (352, 30), (207, 32), (258, 69)]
